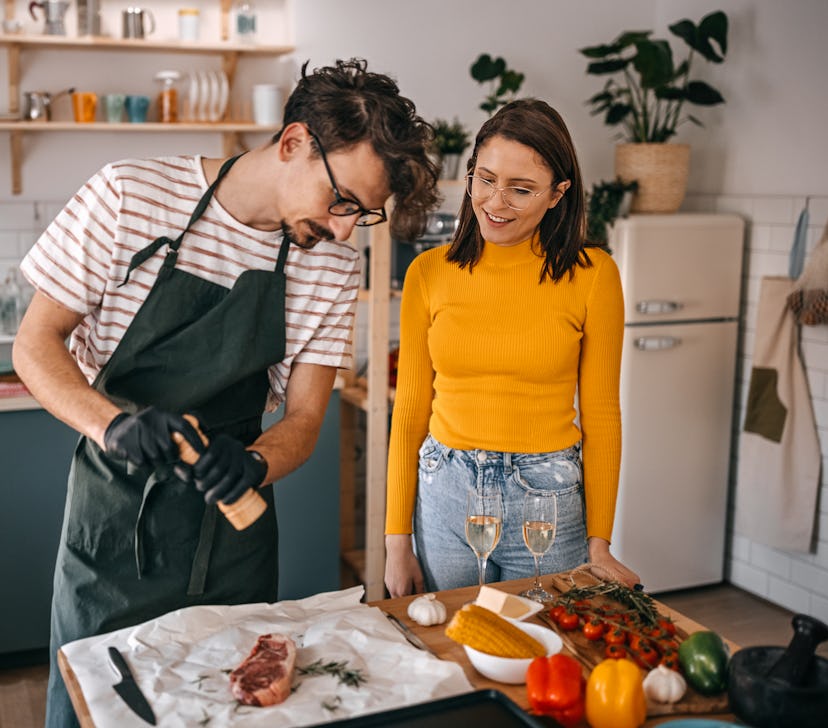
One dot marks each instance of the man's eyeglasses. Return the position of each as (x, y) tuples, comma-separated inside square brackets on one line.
[(344, 206), (481, 189)]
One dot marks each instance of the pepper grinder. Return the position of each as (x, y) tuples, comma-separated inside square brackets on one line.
[(247, 509)]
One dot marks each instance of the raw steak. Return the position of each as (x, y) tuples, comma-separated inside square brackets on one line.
[(264, 678)]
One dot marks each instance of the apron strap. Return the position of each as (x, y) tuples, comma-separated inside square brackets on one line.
[(283, 251), (201, 558), (145, 253)]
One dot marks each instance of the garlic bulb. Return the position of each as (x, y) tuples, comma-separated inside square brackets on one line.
[(426, 610), (663, 685)]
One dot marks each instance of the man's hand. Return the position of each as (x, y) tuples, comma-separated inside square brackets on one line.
[(145, 438), (226, 470)]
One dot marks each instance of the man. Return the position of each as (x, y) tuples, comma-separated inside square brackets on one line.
[(217, 288)]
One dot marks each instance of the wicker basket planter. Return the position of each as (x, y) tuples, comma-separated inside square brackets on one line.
[(661, 171)]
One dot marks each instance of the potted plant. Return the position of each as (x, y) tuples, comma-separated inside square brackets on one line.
[(451, 139), (504, 82), (606, 202), (646, 95)]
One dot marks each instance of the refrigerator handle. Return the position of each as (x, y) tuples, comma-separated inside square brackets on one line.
[(656, 343), (658, 307)]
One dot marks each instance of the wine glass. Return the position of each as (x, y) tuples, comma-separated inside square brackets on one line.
[(484, 519), (540, 518)]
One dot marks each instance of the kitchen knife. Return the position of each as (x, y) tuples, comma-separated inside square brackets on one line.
[(406, 632), (128, 689)]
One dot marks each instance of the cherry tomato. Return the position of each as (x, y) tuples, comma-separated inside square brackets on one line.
[(667, 645), (569, 620), (615, 637), (670, 660), (635, 641), (593, 629), (615, 652), (556, 612), (646, 656), (582, 605), (667, 624)]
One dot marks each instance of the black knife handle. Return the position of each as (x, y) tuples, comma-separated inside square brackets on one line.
[(119, 664)]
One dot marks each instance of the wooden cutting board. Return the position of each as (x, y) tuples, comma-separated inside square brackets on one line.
[(589, 653)]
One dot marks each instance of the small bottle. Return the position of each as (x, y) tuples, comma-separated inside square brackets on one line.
[(244, 21), (168, 98)]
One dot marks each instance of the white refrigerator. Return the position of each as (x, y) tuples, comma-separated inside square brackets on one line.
[(681, 276)]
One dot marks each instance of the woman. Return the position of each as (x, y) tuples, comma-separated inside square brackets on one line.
[(497, 332)]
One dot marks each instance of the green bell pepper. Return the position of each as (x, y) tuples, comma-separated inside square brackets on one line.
[(704, 658)]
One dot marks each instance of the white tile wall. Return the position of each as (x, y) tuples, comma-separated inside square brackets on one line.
[(796, 581)]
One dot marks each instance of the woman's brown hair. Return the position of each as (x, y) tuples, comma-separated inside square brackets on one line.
[(537, 125)]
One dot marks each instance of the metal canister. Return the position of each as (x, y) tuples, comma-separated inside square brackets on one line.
[(89, 17)]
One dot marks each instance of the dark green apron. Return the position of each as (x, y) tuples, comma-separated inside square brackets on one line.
[(137, 544)]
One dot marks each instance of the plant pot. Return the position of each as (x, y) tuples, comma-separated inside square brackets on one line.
[(660, 170), (449, 166)]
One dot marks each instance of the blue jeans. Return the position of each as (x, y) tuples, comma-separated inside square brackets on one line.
[(445, 477)]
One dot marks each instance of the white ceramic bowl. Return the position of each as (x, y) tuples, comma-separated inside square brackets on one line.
[(509, 669)]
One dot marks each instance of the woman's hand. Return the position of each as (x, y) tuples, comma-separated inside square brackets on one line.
[(403, 574), (600, 557)]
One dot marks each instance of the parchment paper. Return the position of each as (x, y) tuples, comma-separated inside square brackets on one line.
[(182, 660)]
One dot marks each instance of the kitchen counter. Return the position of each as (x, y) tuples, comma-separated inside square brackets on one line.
[(435, 638)]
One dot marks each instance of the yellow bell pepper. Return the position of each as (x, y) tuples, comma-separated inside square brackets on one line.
[(615, 695)]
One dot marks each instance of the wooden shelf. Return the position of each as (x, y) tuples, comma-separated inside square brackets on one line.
[(133, 128), (17, 44), (99, 43), (357, 395)]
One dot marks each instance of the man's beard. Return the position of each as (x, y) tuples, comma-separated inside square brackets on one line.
[(318, 233)]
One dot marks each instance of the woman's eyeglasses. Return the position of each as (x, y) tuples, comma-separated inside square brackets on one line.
[(344, 206), (518, 198)]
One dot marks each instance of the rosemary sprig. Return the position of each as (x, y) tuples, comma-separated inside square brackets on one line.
[(640, 602), (352, 678)]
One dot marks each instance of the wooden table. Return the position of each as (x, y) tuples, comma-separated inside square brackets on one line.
[(446, 649), (441, 645)]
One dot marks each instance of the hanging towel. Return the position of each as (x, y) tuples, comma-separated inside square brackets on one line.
[(779, 454), (809, 299)]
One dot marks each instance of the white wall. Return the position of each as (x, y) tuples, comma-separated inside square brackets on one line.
[(760, 154)]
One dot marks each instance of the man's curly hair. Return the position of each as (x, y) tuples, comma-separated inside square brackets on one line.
[(344, 105)]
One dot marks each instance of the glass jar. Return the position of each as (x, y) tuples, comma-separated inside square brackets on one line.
[(168, 97), (244, 21)]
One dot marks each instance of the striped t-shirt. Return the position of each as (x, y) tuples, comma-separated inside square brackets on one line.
[(83, 255)]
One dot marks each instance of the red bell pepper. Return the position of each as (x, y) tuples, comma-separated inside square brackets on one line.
[(555, 687)]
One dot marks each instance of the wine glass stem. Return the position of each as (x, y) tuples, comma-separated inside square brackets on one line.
[(481, 568), (537, 571)]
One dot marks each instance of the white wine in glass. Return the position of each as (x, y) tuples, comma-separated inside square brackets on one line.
[(484, 519), (540, 518)]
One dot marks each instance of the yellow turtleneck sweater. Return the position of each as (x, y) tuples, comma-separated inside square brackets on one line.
[(491, 360)]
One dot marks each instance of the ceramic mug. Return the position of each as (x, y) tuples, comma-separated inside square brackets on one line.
[(267, 104), (114, 104), (137, 108), (84, 105)]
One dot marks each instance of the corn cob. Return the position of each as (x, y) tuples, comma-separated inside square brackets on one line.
[(483, 630)]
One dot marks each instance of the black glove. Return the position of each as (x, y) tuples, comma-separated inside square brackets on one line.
[(226, 470), (145, 438)]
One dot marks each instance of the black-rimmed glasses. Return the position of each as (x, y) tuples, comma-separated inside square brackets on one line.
[(518, 198), (345, 206)]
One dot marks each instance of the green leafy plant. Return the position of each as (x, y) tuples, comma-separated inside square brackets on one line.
[(504, 82), (648, 98), (604, 206), (450, 137)]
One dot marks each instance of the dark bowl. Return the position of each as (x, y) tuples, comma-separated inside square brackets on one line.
[(765, 702)]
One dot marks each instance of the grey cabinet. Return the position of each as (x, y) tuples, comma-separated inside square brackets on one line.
[(35, 452)]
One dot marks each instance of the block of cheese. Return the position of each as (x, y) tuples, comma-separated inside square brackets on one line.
[(499, 602)]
